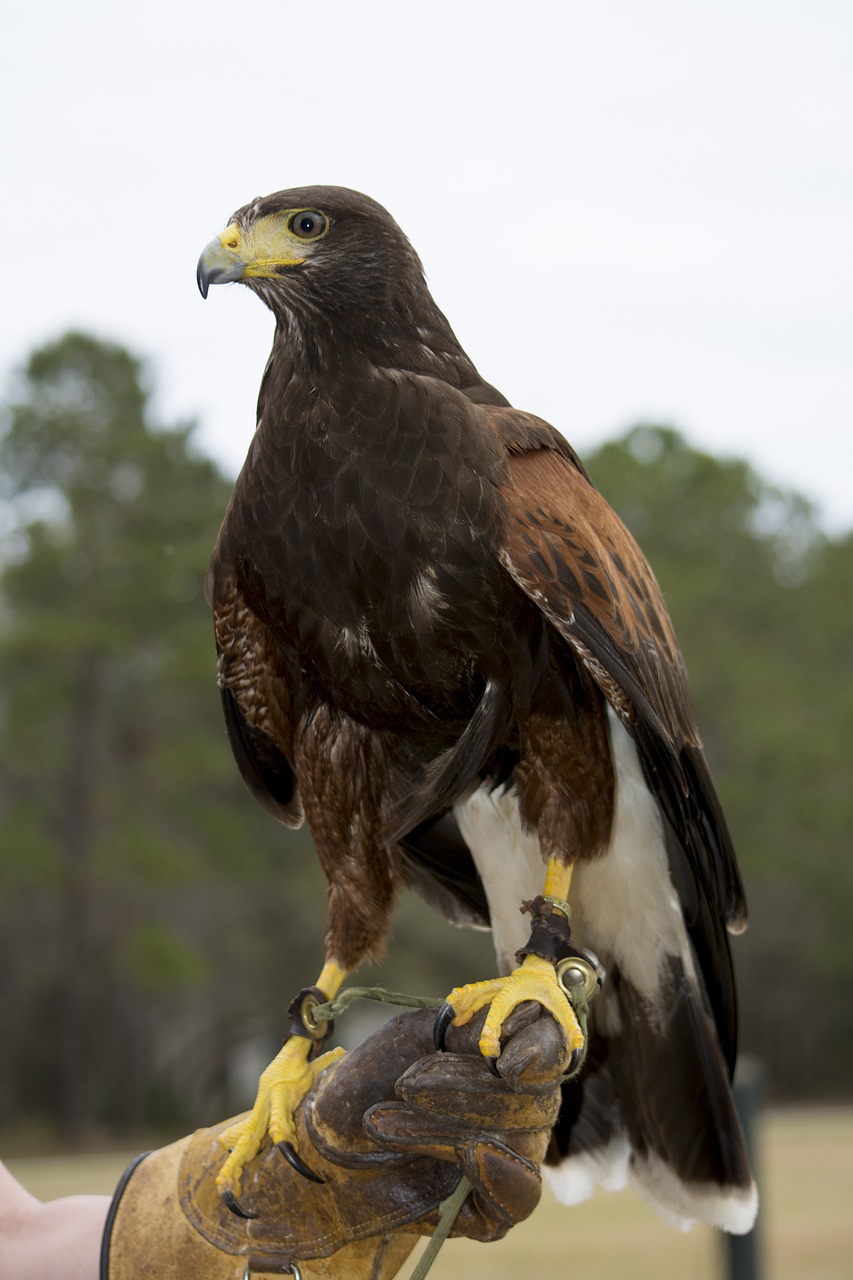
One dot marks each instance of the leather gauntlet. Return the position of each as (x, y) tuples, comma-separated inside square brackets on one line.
[(390, 1128)]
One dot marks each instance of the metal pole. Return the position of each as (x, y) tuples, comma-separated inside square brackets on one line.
[(743, 1253)]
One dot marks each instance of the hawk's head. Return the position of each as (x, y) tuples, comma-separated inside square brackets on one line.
[(322, 250)]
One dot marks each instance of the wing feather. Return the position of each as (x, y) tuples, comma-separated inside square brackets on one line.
[(257, 687), (569, 552)]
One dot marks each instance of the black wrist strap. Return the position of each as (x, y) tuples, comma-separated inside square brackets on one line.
[(550, 933), (106, 1238)]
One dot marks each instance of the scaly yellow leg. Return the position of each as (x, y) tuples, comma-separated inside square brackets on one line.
[(281, 1088), (558, 881), (534, 979)]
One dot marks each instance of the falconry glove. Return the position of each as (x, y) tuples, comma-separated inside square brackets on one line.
[(390, 1128)]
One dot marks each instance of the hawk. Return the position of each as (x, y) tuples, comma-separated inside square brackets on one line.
[(439, 646)]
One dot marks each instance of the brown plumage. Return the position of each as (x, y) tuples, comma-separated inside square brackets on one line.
[(429, 622)]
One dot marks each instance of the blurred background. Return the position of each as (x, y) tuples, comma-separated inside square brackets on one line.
[(638, 221)]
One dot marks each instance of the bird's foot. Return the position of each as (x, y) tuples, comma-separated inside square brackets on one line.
[(535, 979), (282, 1087)]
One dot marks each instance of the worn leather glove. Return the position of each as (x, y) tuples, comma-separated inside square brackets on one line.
[(390, 1127)]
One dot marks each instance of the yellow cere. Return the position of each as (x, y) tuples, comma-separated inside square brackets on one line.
[(231, 237), (269, 243)]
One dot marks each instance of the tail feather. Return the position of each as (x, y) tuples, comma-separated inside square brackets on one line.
[(662, 1087)]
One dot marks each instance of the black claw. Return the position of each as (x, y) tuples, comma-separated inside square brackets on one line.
[(230, 1200), (492, 1064), (444, 1017), (296, 1162)]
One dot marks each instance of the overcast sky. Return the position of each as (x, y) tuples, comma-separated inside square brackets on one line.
[(628, 209)]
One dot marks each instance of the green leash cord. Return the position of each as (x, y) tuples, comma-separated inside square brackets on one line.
[(449, 1210), (333, 1008), (328, 1012)]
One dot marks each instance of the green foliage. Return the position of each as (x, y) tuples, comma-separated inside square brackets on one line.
[(154, 959)]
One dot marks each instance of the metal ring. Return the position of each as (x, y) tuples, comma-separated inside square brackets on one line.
[(559, 904), (575, 974), (309, 1003)]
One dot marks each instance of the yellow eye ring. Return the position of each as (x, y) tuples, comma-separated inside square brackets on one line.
[(308, 224)]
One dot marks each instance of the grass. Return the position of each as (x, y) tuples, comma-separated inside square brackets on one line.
[(806, 1225)]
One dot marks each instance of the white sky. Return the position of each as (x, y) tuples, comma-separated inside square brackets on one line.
[(627, 208)]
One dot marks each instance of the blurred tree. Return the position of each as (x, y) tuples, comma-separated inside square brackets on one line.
[(134, 864)]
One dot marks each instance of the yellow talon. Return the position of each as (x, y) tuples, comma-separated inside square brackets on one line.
[(282, 1087), (535, 979)]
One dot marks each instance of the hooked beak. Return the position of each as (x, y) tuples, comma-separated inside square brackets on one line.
[(221, 261)]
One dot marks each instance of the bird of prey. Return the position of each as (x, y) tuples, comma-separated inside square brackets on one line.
[(439, 645)]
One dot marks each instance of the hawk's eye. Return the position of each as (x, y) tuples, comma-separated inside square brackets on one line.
[(308, 225)]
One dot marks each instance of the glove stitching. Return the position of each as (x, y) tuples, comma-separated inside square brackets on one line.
[(350, 1159), (493, 1198), (366, 1228)]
